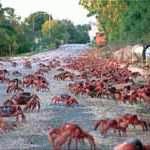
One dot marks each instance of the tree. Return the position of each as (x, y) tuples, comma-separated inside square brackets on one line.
[(108, 14), (71, 29), (39, 30), (48, 25), (121, 20), (135, 21), (36, 20), (7, 32), (56, 32), (34, 23), (82, 34), (60, 32)]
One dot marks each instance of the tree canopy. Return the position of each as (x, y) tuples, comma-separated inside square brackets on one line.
[(38, 31), (121, 20)]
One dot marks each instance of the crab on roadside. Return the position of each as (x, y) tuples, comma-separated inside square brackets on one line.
[(14, 86), (31, 101), (65, 99), (12, 111), (68, 132)]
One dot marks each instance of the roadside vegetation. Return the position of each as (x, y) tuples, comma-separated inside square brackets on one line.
[(123, 21), (38, 31)]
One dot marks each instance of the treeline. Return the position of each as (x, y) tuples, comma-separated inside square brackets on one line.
[(122, 20), (38, 31)]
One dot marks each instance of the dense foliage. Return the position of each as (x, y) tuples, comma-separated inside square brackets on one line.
[(122, 20), (38, 31)]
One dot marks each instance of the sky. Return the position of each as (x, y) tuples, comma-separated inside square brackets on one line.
[(60, 9)]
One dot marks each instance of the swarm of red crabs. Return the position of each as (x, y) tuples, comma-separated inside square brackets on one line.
[(13, 108), (121, 124), (63, 136), (107, 78), (21, 101), (97, 78)]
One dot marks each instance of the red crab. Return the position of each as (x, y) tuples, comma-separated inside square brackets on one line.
[(65, 99), (30, 101)]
